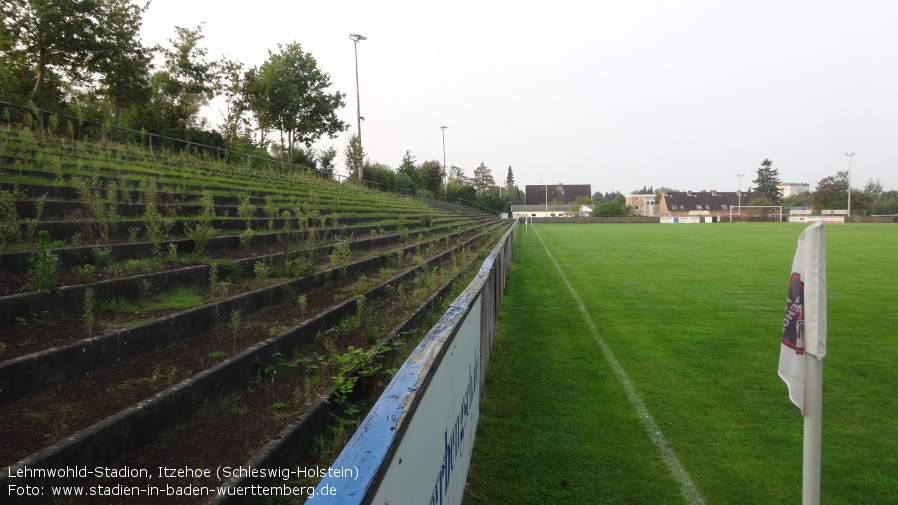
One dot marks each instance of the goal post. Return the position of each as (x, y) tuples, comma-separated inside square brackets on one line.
[(763, 213)]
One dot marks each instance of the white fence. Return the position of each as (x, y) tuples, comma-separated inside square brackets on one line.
[(415, 444)]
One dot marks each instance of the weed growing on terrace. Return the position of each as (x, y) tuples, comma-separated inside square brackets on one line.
[(99, 201), (157, 227), (303, 304), (31, 223), (42, 266), (83, 273), (202, 231), (340, 256), (10, 231), (271, 210)]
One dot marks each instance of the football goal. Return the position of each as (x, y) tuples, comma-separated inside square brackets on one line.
[(763, 213)]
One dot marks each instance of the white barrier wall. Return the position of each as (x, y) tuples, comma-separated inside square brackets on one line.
[(414, 447)]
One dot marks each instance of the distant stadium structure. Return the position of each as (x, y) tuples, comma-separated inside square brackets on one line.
[(535, 194)]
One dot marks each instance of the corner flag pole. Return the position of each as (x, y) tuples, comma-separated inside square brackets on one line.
[(803, 348), (813, 417)]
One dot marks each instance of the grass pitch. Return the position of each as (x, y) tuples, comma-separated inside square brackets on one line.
[(693, 316)]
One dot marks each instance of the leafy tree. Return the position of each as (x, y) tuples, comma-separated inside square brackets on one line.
[(483, 179), (354, 156), (326, 162), (611, 209), (185, 84), (885, 203), (457, 174), (759, 202), (408, 168), (53, 38), (460, 190), (873, 188), (232, 87), (831, 192), (493, 202), (122, 61), (802, 199), (766, 182), (644, 191), (430, 176), (289, 93)]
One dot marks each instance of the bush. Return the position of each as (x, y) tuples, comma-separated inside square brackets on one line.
[(610, 209)]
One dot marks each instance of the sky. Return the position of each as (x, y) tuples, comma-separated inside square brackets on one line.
[(616, 94)]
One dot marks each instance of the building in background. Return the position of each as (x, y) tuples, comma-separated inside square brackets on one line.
[(704, 203), (794, 188), (535, 194), (642, 205)]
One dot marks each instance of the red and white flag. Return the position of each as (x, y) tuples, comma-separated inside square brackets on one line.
[(804, 327)]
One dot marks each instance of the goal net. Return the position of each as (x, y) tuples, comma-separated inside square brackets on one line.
[(763, 213)]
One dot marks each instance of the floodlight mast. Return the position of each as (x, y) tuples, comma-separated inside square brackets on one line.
[(850, 155), (444, 161), (355, 38)]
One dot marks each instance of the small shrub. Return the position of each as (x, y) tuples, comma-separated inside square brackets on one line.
[(261, 270), (102, 256), (83, 273), (202, 231), (10, 231), (42, 266)]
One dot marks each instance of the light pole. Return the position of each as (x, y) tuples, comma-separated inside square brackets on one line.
[(443, 128), (739, 194), (849, 181), (355, 38)]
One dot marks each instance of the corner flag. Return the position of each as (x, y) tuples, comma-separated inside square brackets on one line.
[(804, 326), (803, 347)]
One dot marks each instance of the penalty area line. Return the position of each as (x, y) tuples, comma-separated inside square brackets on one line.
[(687, 488)]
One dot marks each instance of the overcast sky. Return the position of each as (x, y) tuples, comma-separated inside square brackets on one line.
[(616, 94)]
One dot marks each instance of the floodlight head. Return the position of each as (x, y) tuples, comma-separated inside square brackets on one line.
[(443, 127), (362, 118), (355, 37)]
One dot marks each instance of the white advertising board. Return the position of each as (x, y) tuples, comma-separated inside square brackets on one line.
[(814, 219), (683, 219)]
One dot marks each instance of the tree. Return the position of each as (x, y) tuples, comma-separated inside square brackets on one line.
[(408, 168), (53, 37), (430, 176), (483, 179), (831, 192), (457, 174), (509, 182), (185, 84), (767, 181), (123, 61), (288, 92), (354, 156), (326, 162), (802, 199), (611, 209), (233, 90)]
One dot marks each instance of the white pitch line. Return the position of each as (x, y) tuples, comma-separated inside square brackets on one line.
[(687, 488)]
